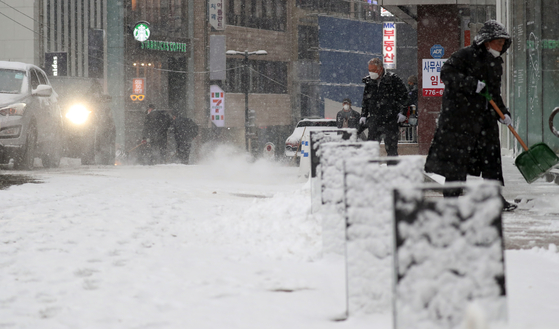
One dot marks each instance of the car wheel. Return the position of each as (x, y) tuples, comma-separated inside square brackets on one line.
[(107, 149), (52, 159), (88, 157), (27, 158)]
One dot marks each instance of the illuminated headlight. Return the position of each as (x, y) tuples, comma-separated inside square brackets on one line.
[(13, 109), (78, 114), (10, 131)]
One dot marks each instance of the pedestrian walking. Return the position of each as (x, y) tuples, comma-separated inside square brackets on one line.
[(185, 130), (412, 90), (154, 135), (347, 117), (466, 141), (385, 101)]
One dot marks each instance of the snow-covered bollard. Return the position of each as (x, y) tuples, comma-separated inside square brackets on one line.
[(332, 209), (316, 139), (368, 192), (305, 156), (449, 255)]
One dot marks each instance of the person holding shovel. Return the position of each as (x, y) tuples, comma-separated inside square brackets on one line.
[(466, 140)]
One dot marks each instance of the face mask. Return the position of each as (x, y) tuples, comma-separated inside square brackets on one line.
[(494, 52), (346, 107), (373, 75)]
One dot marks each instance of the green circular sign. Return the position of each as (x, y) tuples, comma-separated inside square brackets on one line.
[(141, 32)]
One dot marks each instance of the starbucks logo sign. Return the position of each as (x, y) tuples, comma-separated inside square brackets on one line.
[(141, 32)]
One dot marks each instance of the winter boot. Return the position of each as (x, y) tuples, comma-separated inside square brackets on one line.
[(507, 206)]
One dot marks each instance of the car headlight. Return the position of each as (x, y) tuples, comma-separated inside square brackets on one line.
[(13, 109), (78, 114)]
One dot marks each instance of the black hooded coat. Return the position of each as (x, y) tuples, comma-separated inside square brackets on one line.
[(466, 141)]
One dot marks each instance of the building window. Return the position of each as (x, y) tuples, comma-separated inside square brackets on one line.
[(265, 77), (308, 42), (259, 14)]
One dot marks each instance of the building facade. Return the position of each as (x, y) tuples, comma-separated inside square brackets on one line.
[(316, 56)]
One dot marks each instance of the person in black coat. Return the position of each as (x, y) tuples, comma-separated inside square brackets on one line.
[(154, 135), (413, 91), (347, 117), (185, 131), (385, 101), (466, 141)]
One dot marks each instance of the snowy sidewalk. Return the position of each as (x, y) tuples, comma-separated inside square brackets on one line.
[(222, 244), (536, 221)]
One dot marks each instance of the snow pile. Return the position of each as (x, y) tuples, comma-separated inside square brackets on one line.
[(449, 253), (542, 204), (332, 210), (316, 139), (370, 227)]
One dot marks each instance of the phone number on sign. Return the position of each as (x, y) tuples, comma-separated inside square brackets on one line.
[(432, 92)]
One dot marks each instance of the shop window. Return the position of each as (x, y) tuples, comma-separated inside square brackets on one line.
[(260, 14), (308, 42)]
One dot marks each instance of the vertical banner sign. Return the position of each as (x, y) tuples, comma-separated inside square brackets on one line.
[(138, 89), (139, 86), (432, 84), (216, 14), (389, 45), (217, 100)]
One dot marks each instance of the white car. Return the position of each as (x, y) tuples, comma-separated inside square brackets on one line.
[(304, 126), (30, 118)]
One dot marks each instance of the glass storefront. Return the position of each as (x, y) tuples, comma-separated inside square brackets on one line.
[(533, 92)]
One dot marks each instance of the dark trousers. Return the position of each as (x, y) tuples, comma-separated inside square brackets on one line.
[(183, 152), (390, 133), (154, 153), (453, 192)]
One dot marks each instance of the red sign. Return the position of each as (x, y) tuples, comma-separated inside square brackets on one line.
[(139, 86)]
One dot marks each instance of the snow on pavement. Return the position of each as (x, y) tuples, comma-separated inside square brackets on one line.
[(221, 244)]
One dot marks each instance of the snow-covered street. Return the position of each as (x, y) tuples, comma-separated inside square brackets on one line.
[(220, 244)]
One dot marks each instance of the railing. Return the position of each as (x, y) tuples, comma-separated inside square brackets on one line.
[(408, 134)]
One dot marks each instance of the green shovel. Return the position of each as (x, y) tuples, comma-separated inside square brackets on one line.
[(535, 161)]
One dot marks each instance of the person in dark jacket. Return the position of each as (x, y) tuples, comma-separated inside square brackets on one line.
[(466, 141), (347, 117), (385, 101), (412, 91), (154, 135), (185, 130)]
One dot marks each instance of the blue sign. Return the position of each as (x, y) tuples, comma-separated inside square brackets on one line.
[(437, 51)]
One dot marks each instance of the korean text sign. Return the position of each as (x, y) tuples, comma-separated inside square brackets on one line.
[(389, 45), (216, 14), (138, 86), (432, 84)]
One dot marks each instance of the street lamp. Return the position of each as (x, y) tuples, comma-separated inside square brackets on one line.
[(246, 53)]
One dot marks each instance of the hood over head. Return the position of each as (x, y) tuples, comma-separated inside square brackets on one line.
[(492, 30)]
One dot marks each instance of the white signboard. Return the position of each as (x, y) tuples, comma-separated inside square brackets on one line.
[(389, 45), (432, 84), (217, 100), (216, 14), (385, 13)]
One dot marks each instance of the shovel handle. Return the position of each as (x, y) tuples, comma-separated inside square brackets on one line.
[(496, 108)]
